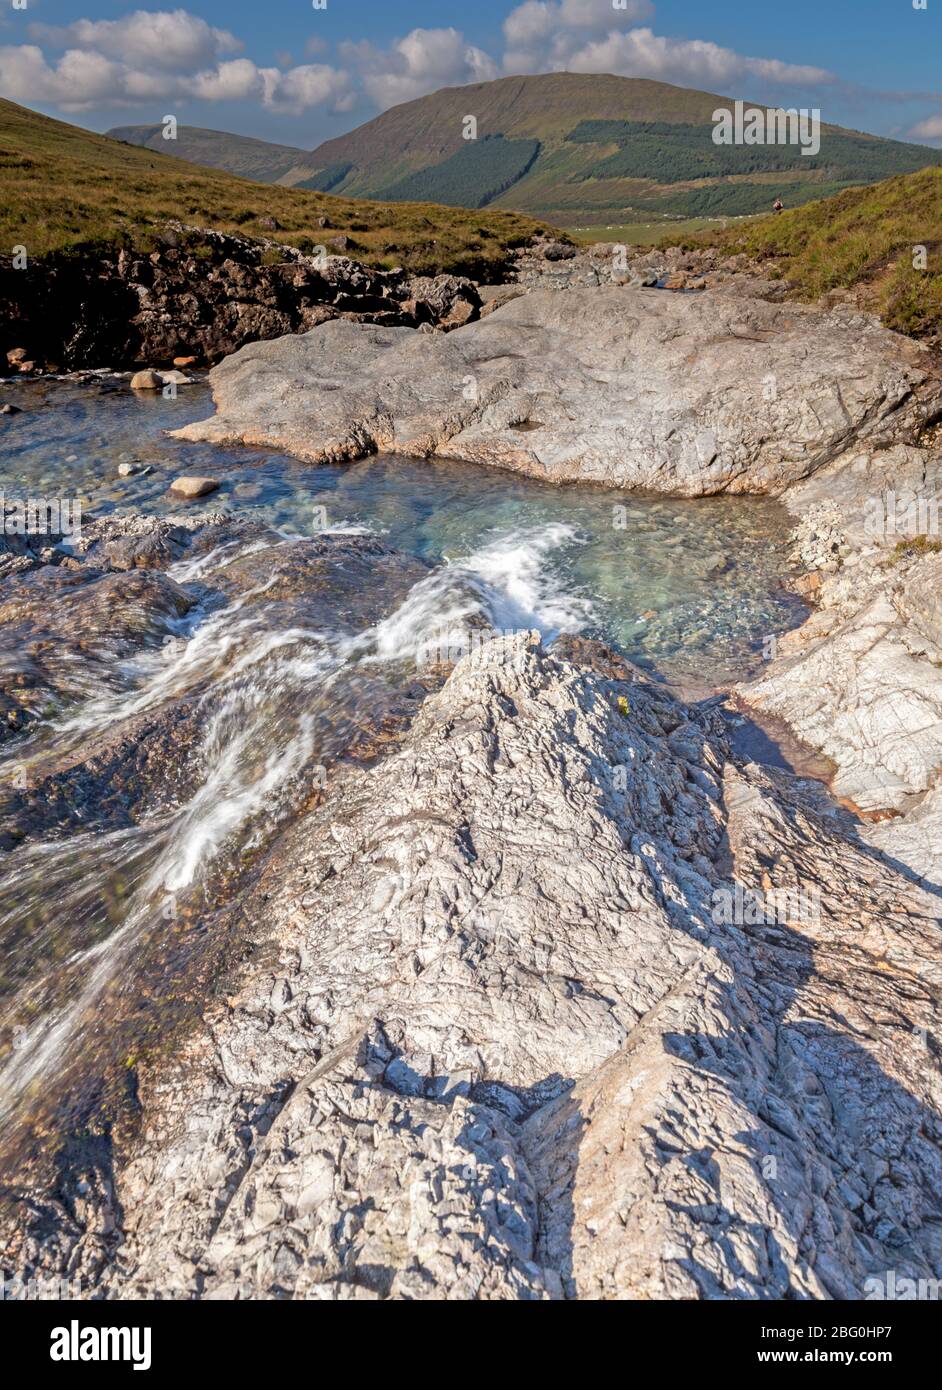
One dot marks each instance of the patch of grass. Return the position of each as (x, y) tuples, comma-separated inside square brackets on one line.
[(909, 549), (63, 187), (643, 233), (865, 239)]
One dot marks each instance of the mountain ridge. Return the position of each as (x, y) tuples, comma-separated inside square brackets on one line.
[(608, 146)]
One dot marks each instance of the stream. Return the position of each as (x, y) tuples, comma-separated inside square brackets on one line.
[(187, 727)]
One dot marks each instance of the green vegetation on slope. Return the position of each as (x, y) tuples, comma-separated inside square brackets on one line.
[(217, 149), (733, 200), (680, 152), (545, 107), (607, 145), (478, 173), (63, 186), (866, 239), (325, 179)]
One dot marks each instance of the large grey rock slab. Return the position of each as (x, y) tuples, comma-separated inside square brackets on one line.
[(684, 394), (493, 1039), (861, 680)]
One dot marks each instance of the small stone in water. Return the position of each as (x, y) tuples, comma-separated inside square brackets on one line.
[(146, 381), (128, 470), (193, 487), (8, 409)]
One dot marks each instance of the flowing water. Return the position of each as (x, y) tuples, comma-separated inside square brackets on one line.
[(116, 887)]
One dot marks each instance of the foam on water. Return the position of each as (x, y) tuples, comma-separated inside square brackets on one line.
[(509, 584)]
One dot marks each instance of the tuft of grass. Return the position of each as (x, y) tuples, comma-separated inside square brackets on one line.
[(864, 239), (909, 549), (64, 188)]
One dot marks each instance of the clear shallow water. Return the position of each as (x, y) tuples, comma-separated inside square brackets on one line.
[(104, 935), (686, 588)]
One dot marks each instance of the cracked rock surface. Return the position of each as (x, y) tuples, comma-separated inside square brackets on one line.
[(861, 680), (684, 394), (495, 1040)]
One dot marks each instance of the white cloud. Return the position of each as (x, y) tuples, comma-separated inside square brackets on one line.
[(237, 80), (313, 84), (542, 30), (170, 40), (82, 79), (929, 129), (421, 62), (173, 55), (590, 36), (165, 55), (691, 62)]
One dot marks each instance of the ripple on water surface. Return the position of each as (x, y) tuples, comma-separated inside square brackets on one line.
[(689, 588)]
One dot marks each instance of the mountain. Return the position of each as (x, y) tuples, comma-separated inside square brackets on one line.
[(577, 148), (63, 186), (591, 147), (236, 154)]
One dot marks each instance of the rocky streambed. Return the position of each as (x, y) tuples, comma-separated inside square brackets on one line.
[(452, 961)]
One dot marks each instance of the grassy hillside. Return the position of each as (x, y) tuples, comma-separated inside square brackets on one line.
[(62, 186), (863, 240), (610, 148), (424, 132)]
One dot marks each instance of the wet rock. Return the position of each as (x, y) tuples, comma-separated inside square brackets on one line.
[(683, 394), (8, 409), (807, 585), (146, 381), (495, 296), (552, 250), (52, 613), (606, 262), (193, 487)]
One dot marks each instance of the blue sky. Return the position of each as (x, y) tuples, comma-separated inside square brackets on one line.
[(283, 70)]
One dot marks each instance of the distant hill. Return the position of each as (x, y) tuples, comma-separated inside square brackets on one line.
[(593, 147), (236, 154), (63, 186)]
